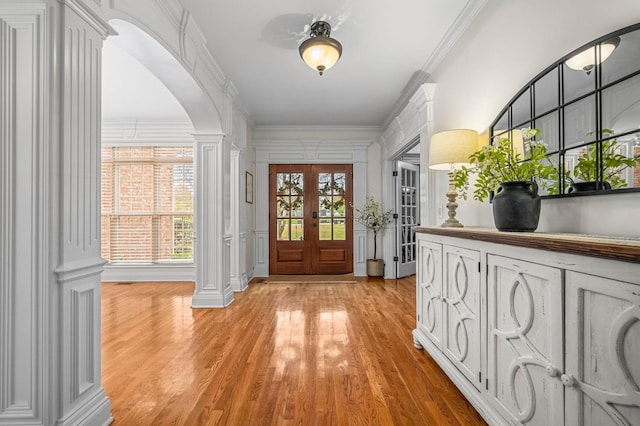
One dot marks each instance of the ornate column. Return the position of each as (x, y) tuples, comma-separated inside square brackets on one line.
[(50, 64), (212, 221)]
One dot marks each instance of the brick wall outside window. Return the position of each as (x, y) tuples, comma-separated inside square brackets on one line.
[(147, 204)]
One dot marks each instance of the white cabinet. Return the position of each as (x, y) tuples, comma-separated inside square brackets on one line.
[(448, 304), (602, 373), (532, 336), (524, 340), (429, 291), (461, 310)]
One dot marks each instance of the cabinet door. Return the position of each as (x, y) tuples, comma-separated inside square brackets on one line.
[(525, 340), (602, 374), (461, 297), (429, 290)]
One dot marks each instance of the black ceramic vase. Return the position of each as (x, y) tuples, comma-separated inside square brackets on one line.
[(516, 206), (588, 186)]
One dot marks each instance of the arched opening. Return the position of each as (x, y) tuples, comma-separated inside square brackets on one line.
[(147, 217), (171, 72)]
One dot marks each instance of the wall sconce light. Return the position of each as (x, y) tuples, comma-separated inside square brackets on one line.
[(586, 60), (320, 51), (449, 150)]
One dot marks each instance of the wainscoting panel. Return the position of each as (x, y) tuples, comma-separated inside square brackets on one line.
[(23, 281)]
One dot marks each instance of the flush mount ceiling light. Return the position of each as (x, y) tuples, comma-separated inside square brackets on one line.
[(320, 51), (586, 59)]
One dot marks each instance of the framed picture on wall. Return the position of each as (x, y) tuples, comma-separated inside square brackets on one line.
[(248, 188)]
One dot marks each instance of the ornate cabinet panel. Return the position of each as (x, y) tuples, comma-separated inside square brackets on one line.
[(461, 315), (525, 340), (602, 374), (429, 291)]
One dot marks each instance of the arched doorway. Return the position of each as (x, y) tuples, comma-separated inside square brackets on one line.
[(211, 154)]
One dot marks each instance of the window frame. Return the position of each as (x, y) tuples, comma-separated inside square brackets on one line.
[(157, 212)]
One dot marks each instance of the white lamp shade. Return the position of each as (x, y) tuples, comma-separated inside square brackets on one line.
[(452, 148), (320, 53)]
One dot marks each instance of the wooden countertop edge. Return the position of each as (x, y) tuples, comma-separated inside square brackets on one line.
[(603, 247)]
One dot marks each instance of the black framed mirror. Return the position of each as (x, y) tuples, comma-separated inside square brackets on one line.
[(587, 108)]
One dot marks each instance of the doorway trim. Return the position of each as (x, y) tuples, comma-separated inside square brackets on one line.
[(415, 120), (351, 151)]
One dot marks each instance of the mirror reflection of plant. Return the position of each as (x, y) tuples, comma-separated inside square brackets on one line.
[(500, 162), (613, 163)]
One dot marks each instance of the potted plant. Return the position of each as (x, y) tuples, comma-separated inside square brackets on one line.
[(583, 175), (375, 219), (512, 177)]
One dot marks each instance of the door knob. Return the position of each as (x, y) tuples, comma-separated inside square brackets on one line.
[(314, 215), (568, 380), (552, 371)]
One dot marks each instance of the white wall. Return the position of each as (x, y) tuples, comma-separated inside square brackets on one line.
[(510, 42)]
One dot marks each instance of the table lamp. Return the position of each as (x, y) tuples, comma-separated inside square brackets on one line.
[(448, 150)]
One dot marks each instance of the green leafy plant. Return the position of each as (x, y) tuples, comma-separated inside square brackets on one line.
[(613, 163), (500, 162), (373, 217)]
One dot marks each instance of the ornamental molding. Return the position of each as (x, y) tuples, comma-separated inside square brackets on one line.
[(138, 132), (410, 122)]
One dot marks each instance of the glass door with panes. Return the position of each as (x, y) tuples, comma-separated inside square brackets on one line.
[(408, 216), (310, 222)]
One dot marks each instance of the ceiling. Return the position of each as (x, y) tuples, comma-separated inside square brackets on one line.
[(389, 49)]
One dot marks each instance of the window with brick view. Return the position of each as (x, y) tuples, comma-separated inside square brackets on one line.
[(147, 204)]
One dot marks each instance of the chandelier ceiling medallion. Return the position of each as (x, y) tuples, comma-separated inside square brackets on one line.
[(320, 51)]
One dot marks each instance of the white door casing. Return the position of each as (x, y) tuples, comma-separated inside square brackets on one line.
[(308, 152), (415, 120)]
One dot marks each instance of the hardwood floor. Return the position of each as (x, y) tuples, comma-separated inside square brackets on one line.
[(308, 354)]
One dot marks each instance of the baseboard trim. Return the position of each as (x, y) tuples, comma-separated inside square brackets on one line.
[(96, 410)]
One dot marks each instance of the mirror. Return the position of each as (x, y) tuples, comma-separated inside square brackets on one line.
[(587, 108)]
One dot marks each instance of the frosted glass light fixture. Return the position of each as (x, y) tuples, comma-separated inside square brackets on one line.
[(586, 59), (320, 51)]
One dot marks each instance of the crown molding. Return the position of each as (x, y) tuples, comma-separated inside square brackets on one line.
[(314, 130), (460, 24)]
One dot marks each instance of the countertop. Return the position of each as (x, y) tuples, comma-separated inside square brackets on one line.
[(616, 248)]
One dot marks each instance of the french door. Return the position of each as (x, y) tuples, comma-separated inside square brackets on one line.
[(310, 220), (409, 214)]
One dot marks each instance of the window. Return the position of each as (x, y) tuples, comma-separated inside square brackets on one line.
[(147, 204)]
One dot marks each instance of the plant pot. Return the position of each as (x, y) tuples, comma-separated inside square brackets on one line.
[(516, 206), (588, 186), (375, 267)]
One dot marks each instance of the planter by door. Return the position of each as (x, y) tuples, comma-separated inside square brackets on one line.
[(375, 267), (516, 206)]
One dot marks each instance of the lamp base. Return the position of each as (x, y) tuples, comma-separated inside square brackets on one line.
[(452, 222)]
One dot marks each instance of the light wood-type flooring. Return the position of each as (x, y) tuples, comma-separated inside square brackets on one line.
[(288, 353)]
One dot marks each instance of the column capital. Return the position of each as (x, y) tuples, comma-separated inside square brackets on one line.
[(203, 138), (91, 17)]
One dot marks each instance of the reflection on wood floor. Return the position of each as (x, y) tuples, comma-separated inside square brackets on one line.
[(308, 354)]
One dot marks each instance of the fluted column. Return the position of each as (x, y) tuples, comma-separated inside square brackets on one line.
[(212, 221), (50, 65)]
